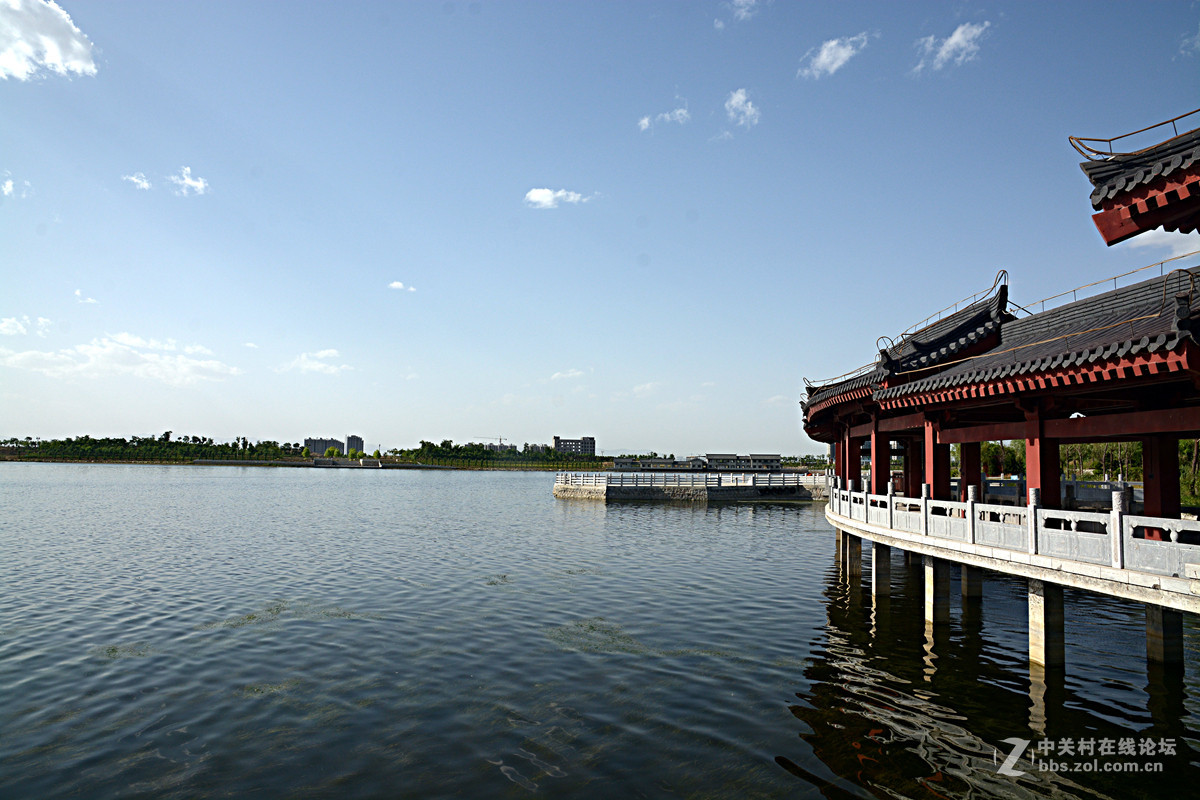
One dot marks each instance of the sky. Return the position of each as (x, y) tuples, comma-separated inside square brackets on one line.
[(647, 222)]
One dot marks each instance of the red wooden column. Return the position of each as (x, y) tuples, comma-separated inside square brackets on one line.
[(914, 471), (839, 459), (969, 469), (1042, 468), (1160, 478), (881, 460), (852, 459), (937, 463)]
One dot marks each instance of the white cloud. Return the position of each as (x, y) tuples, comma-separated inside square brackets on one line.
[(679, 115), (37, 35), (43, 325), (185, 184), (957, 48), (1177, 244), (645, 389), (137, 179), (80, 298), (779, 401), (1190, 45), (197, 350), (571, 373), (550, 198), (11, 326), (108, 357), (832, 56), (744, 9), (401, 286), (9, 187), (719, 24), (129, 340), (314, 362), (251, 345), (740, 110)]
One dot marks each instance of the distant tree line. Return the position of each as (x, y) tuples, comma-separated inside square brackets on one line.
[(151, 448), (476, 455)]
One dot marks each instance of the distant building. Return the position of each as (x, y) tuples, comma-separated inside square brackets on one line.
[(755, 461), (584, 447), (354, 443), (499, 448), (318, 446), (773, 461), (537, 448), (727, 461)]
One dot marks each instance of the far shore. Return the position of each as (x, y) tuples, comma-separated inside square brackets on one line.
[(311, 463)]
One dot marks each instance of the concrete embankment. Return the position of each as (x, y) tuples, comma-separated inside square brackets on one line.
[(688, 494)]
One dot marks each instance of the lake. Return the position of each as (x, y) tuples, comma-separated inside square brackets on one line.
[(229, 631)]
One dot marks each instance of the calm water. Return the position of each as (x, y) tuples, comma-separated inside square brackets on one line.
[(199, 632)]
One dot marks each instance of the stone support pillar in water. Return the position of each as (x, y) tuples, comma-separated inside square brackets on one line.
[(1164, 635), (1046, 624), (972, 583), (881, 571), (937, 590), (852, 555)]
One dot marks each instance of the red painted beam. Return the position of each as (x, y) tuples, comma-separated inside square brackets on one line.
[(1130, 425), (1133, 424), (983, 433)]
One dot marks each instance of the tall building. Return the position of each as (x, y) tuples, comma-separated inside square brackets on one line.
[(354, 443), (585, 446), (318, 446)]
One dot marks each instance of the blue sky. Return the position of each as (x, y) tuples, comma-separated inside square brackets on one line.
[(641, 221)]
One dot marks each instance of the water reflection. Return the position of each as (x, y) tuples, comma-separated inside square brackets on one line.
[(902, 707)]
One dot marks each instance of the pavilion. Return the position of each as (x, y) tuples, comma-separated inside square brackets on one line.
[(1120, 365)]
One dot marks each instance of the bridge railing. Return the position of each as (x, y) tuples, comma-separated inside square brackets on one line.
[(712, 479), (1105, 538)]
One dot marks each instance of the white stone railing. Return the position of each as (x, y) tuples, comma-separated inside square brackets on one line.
[(711, 479), (1078, 536)]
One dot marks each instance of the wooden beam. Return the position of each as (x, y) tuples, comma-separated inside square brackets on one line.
[(1129, 425), (994, 432), (1132, 424), (908, 422)]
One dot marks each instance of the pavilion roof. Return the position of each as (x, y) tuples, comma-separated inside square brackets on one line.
[(933, 344), (1127, 172), (1127, 321)]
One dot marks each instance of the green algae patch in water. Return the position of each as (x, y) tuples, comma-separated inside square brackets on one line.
[(276, 611), (596, 635), (260, 689), (268, 614), (112, 652)]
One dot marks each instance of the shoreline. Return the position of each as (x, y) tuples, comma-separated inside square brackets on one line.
[(309, 464)]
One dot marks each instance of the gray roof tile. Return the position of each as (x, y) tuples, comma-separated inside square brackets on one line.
[(1130, 320), (1124, 173)]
